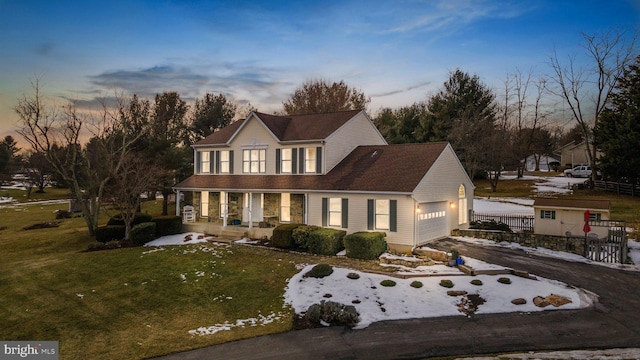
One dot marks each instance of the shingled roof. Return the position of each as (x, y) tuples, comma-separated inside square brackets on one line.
[(288, 127), (573, 203), (374, 168)]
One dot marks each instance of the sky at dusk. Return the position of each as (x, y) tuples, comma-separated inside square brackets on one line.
[(396, 52)]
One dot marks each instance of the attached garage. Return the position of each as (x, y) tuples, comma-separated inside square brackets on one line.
[(432, 221)]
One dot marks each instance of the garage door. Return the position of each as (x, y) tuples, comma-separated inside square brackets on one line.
[(432, 221)]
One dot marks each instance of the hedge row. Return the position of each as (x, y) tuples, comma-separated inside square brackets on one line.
[(327, 241), (144, 228)]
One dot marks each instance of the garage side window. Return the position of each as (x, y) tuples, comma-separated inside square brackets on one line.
[(463, 211), (382, 214), (547, 214)]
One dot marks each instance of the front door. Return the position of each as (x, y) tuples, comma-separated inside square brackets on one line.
[(256, 208)]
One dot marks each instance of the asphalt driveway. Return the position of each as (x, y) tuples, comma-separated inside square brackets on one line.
[(614, 322)]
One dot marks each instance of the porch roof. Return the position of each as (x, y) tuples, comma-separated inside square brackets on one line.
[(374, 168)]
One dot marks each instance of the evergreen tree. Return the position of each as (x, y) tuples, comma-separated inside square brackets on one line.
[(617, 133), (463, 113), (211, 113)]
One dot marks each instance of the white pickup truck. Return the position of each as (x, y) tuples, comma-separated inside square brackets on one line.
[(578, 171)]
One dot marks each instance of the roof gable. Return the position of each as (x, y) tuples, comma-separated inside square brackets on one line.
[(287, 128)]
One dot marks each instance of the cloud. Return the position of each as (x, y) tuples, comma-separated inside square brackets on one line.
[(398, 91), (241, 81)]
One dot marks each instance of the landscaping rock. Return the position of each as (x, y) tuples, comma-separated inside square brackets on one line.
[(519, 301), (539, 301)]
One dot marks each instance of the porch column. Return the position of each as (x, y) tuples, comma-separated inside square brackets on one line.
[(177, 202), (225, 208), (250, 211)]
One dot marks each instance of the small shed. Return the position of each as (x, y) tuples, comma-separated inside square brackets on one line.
[(566, 217)]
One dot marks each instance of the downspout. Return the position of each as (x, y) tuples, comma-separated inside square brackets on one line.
[(250, 211)]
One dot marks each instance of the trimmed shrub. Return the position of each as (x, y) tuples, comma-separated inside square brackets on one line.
[(107, 233), (282, 236), (319, 240), (504, 280), (168, 225), (319, 271), (446, 283), (365, 245), (388, 283), (353, 276), (476, 282), (138, 218), (143, 233), (332, 313), (416, 284)]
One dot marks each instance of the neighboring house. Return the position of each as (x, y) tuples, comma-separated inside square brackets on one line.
[(565, 217), (544, 162), (333, 170), (573, 154)]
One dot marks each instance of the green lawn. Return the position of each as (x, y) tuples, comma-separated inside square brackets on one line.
[(132, 303)]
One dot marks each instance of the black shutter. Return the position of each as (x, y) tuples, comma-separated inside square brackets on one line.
[(325, 209), (217, 162), (301, 161), (277, 161), (370, 214), (230, 161), (345, 213), (319, 160), (393, 215), (198, 161), (294, 161)]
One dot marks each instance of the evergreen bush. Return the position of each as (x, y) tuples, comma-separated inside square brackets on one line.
[(143, 233), (138, 218), (107, 233), (283, 236), (319, 271), (332, 313), (365, 245), (168, 225), (319, 240)]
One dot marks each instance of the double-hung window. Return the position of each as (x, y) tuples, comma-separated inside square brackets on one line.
[(286, 161), (254, 161), (224, 162), (205, 162), (310, 160), (382, 215), (335, 212), (285, 207)]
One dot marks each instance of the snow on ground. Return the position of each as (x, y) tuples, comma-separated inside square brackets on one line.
[(179, 239), (375, 302), (548, 184), (511, 206)]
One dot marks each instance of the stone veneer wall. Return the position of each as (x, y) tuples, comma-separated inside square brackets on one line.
[(575, 245)]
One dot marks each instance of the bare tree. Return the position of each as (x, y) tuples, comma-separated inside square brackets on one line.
[(586, 90), (57, 135)]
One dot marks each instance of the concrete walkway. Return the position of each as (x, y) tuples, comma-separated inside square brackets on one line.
[(614, 322)]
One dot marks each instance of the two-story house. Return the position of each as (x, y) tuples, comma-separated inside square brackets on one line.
[(333, 170)]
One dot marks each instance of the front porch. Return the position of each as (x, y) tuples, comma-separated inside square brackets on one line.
[(240, 214), (228, 233)]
